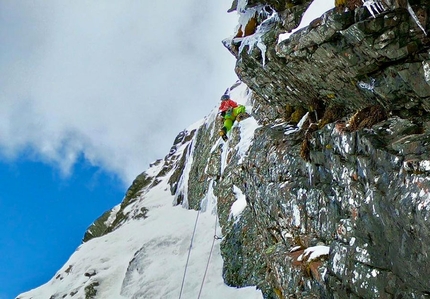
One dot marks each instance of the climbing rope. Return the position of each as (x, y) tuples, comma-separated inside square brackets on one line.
[(189, 252), (209, 258)]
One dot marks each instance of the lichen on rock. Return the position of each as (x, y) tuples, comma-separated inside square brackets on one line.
[(361, 74)]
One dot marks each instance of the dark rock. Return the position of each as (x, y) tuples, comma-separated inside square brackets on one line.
[(335, 61), (363, 191), (91, 290)]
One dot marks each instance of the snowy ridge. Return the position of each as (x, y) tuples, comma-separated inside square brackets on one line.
[(146, 256), (145, 259)]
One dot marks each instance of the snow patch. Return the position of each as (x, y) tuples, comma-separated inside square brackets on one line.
[(302, 121), (112, 215), (426, 68), (247, 129), (295, 248), (337, 262), (196, 125), (256, 39), (183, 181), (209, 202), (241, 4), (296, 216), (425, 165), (369, 86), (224, 156), (210, 120), (155, 168), (245, 15), (146, 258), (239, 205), (290, 129), (315, 10), (313, 253)]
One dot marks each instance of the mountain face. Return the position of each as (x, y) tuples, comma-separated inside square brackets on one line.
[(322, 193)]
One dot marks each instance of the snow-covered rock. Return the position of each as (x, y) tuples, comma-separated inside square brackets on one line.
[(335, 153)]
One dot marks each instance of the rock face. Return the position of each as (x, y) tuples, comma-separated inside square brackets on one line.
[(344, 59), (362, 193), (325, 191)]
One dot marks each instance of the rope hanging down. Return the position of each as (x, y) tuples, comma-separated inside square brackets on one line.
[(209, 258), (189, 252)]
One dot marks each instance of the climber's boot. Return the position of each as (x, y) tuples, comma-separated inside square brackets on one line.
[(223, 134)]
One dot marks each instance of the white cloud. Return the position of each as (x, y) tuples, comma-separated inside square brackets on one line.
[(112, 80)]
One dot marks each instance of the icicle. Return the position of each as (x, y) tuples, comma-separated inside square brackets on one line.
[(241, 4), (414, 16), (375, 7), (256, 39), (245, 17)]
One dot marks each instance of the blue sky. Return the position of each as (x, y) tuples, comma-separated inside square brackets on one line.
[(91, 92), (44, 217)]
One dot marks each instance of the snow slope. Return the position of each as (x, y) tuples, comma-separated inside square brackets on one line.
[(151, 257)]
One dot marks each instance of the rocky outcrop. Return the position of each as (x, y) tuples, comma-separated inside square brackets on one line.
[(362, 193), (350, 220), (344, 59), (325, 191)]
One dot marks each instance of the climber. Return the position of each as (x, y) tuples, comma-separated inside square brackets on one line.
[(230, 111)]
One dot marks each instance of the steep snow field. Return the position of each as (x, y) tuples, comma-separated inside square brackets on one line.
[(157, 248), (151, 257)]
